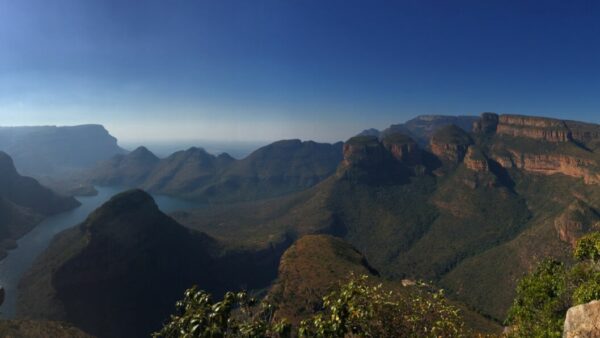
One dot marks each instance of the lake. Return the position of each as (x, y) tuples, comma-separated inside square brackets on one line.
[(36, 241)]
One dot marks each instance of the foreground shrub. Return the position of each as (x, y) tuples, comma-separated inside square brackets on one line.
[(357, 308), (544, 296)]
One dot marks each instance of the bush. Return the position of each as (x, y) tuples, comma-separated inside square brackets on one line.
[(357, 308), (361, 309), (539, 306), (237, 315), (588, 247), (544, 296)]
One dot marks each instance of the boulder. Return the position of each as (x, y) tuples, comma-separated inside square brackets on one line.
[(583, 321)]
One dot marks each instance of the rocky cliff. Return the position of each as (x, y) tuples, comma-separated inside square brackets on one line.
[(539, 128), (540, 145), (450, 144)]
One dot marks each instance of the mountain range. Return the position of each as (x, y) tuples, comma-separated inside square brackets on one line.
[(469, 209), (472, 211), (274, 170)]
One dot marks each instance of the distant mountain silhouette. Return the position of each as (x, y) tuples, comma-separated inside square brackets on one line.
[(49, 150), (276, 169), (24, 203), (422, 127)]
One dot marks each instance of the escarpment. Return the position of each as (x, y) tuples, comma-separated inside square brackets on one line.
[(542, 145), (538, 128)]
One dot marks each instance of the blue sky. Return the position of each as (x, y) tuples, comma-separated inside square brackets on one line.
[(272, 69)]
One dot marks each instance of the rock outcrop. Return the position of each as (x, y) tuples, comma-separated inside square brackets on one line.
[(583, 321), (553, 163), (363, 151), (487, 124), (476, 160), (539, 128), (578, 219), (403, 148), (450, 144)]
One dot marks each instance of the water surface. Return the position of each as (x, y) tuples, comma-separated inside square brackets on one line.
[(36, 241)]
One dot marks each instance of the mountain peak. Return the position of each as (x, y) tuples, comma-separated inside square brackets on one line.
[(144, 153), (131, 201), (7, 166)]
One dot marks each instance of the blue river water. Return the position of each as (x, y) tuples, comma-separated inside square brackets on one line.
[(35, 242)]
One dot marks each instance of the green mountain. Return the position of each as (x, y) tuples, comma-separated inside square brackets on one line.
[(472, 211), (274, 170), (24, 203), (119, 273), (125, 169), (315, 265)]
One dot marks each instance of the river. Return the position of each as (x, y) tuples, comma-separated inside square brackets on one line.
[(36, 241)]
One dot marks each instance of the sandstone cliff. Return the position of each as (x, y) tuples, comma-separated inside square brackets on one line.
[(541, 145), (539, 128), (450, 144)]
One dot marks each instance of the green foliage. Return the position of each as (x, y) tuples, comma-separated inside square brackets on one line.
[(237, 315), (588, 247), (357, 308), (544, 296), (588, 290), (364, 310), (539, 307)]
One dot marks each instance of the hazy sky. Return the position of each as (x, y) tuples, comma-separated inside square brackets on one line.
[(265, 70)]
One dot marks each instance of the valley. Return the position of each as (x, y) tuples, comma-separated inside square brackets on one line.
[(466, 210)]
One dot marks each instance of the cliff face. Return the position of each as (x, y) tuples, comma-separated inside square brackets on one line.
[(577, 220), (476, 160), (363, 151), (550, 164), (403, 148), (450, 144), (538, 128), (542, 145)]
